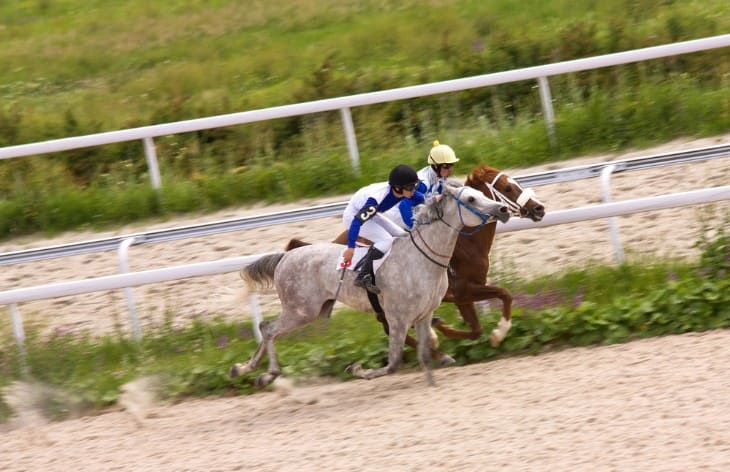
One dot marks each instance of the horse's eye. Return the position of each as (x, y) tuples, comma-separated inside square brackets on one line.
[(470, 199), (508, 189)]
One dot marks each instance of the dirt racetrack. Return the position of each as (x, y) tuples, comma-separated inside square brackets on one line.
[(659, 404)]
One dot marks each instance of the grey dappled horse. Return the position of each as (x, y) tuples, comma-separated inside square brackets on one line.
[(412, 280)]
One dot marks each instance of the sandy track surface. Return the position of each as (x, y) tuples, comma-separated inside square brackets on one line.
[(659, 404), (663, 233)]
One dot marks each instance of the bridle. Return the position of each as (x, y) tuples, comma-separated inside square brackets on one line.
[(459, 205), (485, 219), (514, 206)]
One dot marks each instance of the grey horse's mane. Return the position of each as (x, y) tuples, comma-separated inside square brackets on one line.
[(431, 211)]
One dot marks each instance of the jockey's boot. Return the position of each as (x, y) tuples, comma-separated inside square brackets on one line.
[(366, 276)]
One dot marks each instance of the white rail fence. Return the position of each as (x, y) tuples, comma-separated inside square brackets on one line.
[(344, 104), (123, 243), (12, 297)]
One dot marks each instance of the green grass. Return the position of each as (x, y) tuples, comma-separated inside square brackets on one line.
[(73, 68)]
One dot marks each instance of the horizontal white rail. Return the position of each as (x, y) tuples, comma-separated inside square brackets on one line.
[(626, 207), (235, 264), (335, 209), (129, 279), (371, 98)]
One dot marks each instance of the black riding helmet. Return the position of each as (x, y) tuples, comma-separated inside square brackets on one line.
[(403, 176)]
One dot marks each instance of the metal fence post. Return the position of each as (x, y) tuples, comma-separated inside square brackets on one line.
[(19, 334), (351, 140), (253, 302), (612, 226), (18, 331), (547, 109), (151, 155), (128, 293)]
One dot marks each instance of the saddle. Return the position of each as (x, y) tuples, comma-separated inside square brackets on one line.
[(360, 251)]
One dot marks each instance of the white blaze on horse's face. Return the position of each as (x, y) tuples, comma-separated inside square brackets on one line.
[(522, 201), (526, 194), (475, 200)]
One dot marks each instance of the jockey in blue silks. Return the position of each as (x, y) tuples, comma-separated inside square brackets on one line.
[(362, 219), (441, 160)]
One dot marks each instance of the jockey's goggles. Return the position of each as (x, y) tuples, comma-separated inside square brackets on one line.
[(409, 187)]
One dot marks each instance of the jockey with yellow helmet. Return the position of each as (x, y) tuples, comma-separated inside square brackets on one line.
[(441, 159)]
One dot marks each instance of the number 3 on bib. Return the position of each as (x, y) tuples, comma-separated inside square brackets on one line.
[(367, 212)]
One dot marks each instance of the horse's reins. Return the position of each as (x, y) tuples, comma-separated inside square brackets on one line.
[(459, 205), (410, 233)]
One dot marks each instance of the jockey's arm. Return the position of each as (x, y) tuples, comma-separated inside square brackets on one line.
[(366, 212), (405, 207), (353, 232)]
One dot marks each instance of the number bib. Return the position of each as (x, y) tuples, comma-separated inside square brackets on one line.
[(367, 212)]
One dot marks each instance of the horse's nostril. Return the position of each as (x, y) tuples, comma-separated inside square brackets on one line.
[(504, 209)]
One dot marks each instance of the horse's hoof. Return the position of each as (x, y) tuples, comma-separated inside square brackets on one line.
[(494, 339), (435, 321), (265, 379), (239, 369), (429, 379), (446, 360), (353, 369)]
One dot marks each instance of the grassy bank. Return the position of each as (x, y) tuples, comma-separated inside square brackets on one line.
[(74, 68)]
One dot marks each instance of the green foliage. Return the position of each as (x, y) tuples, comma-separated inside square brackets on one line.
[(715, 259)]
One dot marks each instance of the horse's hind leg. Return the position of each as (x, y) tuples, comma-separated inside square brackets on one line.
[(287, 322), (274, 368), (469, 314), (239, 369)]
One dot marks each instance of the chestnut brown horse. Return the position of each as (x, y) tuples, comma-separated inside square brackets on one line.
[(469, 264)]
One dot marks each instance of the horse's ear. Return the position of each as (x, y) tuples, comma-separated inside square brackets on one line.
[(449, 188), (453, 182)]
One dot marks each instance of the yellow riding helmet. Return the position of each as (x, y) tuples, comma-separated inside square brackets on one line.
[(441, 154)]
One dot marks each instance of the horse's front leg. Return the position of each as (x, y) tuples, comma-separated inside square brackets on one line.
[(396, 341), (424, 331), (443, 359), (464, 297)]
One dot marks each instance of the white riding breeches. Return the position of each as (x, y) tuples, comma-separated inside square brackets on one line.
[(380, 230)]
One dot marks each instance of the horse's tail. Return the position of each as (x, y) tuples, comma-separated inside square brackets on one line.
[(260, 273), (295, 243)]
